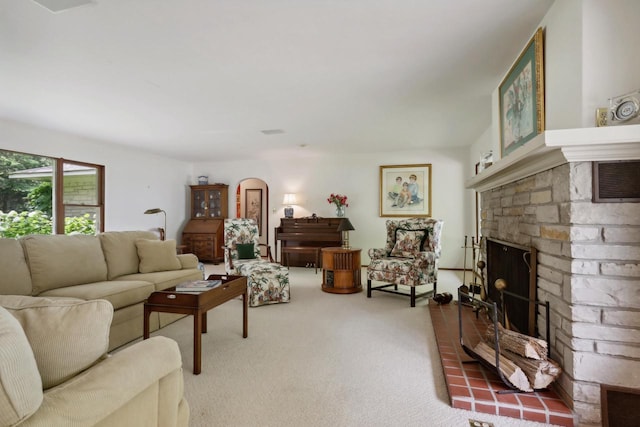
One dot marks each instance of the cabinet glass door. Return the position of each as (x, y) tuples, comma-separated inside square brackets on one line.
[(215, 206), (199, 204)]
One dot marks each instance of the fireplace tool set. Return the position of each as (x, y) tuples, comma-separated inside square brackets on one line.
[(476, 285)]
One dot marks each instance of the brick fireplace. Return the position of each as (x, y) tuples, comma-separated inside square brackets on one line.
[(588, 254)]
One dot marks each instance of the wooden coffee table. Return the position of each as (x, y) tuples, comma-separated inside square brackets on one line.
[(197, 305)]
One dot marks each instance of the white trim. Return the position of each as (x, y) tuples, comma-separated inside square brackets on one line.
[(555, 147)]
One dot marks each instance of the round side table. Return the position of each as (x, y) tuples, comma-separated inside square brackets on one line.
[(341, 270)]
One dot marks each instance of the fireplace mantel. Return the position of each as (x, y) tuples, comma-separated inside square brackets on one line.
[(556, 147)]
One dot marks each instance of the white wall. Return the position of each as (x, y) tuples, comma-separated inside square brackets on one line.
[(611, 63), (135, 181), (590, 55), (563, 65), (485, 142), (314, 177)]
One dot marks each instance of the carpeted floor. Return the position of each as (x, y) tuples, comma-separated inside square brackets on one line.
[(321, 360)]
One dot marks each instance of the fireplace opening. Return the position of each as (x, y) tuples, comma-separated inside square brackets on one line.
[(619, 406), (516, 266)]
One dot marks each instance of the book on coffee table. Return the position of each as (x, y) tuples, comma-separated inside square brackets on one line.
[(197, 285)]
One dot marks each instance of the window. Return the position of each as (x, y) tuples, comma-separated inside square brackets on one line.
[(44, 195)]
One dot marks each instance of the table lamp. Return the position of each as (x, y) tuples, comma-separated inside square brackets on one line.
[(345, 226), (289, 199)]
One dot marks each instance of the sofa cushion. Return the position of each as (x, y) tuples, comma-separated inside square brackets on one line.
[(164, 279), (56, 261), (15, 278), (157, 255), (66, 335), (119, 293), (20, 384), (120, 251)]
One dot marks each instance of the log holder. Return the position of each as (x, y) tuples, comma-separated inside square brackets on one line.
[(491, 309)]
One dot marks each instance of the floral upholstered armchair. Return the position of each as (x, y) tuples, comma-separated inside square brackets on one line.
[(410, 258), (268, 282)]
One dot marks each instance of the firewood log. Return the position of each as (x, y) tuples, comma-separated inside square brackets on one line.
[(518, 343), (509, 370), (540, 373)]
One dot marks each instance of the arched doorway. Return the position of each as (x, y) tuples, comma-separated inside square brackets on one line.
[(252, 201)]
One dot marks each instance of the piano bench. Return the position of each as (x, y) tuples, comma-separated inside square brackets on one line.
[(286, 250)]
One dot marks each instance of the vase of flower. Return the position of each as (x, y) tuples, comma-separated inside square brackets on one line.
[(341, 204)]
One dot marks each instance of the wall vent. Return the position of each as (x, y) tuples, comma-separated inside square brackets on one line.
[(616, 181)]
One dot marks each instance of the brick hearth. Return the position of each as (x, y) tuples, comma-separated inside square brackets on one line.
[(474, 388)]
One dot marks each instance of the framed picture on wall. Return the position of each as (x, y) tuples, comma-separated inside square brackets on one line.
[(253, 206), (405, 190), (521, 95)]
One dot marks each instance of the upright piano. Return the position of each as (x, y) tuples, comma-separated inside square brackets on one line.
[(313, 232)]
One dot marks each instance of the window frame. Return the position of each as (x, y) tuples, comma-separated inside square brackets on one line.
[(57, 182), (58, 193)]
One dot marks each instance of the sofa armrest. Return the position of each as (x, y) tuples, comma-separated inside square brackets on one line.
[(188, 261), (268, 250), (228, 260), (428, 262), (108, 387), (425, 258)]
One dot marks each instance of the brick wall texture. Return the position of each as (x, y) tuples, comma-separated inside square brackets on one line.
[(588, 270)]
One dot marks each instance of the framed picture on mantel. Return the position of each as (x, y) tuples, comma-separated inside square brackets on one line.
[(521, 96)]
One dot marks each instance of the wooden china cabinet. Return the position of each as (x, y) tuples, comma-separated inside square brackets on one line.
[(204, 233)]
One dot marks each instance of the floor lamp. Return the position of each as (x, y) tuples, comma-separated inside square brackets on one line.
[(163, 231)]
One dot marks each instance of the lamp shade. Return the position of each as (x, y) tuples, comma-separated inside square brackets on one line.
[(289, 199), (345, 225)]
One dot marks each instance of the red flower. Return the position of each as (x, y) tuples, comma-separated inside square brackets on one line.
[(338, 200)]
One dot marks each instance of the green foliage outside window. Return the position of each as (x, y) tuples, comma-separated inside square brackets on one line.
[(14, 224), (22, 194), (84, 224), (41, 198)]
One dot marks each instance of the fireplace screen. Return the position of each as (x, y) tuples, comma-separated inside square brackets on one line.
[(516, 267)]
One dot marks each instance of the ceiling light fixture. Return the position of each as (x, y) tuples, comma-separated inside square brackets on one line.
[(272, 131), (56, 6)]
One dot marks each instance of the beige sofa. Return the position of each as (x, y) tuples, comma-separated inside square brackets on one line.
[(55, 370), (122, 267)]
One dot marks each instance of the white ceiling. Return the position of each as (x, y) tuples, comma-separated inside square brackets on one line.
[(200, 79)]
